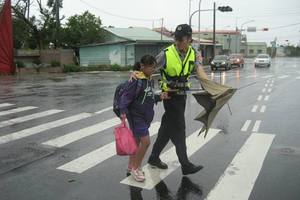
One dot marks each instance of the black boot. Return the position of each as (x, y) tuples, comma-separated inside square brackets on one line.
[(157, 163), (190, 169)]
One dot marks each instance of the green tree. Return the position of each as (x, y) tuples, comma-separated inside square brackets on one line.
[(83, 29)]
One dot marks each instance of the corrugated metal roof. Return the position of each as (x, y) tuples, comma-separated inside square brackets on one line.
[(138, 34)]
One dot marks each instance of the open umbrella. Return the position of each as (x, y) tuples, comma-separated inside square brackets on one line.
[(213, 97)]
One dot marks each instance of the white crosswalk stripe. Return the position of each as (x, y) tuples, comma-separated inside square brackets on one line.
[(239, 178), (267, 76), (5, 105), (282, 77), (28, 117), (97, 156), (82, 133), (154, 176), (40, 128), (16, 110)]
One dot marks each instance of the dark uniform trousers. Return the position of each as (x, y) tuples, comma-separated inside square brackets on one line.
[(172, 128)]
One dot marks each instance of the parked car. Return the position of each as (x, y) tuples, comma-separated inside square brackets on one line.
[(237, 59), (262, 60), (220, 61)]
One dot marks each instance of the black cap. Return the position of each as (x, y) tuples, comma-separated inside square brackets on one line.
[(183, 30)]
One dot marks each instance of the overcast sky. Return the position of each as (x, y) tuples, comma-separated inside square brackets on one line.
[(272, 14)]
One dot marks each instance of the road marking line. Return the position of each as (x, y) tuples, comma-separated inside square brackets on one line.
[(104, 110), (154, 176), (284, 76), (246, 125), (5, 105), (298, 77), (16, 110), (266, 85), (28, 117), (97, 156), (269, 90), (267, 76), (259, 98), (267, 98), (239, 178), (82, 133), (256, 126), (264, 90), (40, 128), (251, 76), (254, 108), (263, 109)]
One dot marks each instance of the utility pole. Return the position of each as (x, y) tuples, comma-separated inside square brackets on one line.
[(214, 31), (161, 29), (28, 9), (57, 40), (199, 20)]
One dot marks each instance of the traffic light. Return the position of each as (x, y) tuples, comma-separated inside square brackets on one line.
[(225, 8)]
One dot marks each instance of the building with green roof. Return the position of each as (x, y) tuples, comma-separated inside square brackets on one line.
[(123, 46)]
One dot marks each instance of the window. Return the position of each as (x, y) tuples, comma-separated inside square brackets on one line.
[(259, 51), (251, 51)]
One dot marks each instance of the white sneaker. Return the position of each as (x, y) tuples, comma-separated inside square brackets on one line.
[(137, 175)]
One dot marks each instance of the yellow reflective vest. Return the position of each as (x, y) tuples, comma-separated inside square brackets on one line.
[(175, 69)]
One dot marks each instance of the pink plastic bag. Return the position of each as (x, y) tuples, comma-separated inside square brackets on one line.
[(125, 142)]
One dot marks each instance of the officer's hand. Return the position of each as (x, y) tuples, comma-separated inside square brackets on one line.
[(164, 96), (134, 76)]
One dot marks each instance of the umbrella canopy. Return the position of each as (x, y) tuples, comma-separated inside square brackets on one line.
[(213, 98)]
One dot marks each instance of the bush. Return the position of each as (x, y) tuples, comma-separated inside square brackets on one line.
[(115, 67), (72, 68), (55, 63), (37, 62), (19, 64)]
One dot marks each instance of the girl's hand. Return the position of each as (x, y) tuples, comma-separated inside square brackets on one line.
[(164, 96)]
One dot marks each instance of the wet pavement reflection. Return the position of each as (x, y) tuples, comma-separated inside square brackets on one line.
[(185, 190)]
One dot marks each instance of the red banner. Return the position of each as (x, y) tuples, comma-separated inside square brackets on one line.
[(6, 40)]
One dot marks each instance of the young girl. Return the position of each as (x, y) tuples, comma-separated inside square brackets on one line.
[(136, 104)]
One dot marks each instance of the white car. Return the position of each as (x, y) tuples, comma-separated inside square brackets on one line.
[(262, 60)]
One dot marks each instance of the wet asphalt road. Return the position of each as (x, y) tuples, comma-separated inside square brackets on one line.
[(268, 104)]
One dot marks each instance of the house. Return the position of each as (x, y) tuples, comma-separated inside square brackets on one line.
[(123, 46), (229, 40), (255, 48)]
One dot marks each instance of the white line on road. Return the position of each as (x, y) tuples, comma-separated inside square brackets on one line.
[(298, 77), (267, 98), (264, 90), (254, 108), (251, 76), (269, 90), (97, 156), (239, 178), (5, 105), (266, 85), (263, 109), (16, 110), (38, 129), (256, 126), (282, 77), (259, 98), (246, 125), (82, 133), (267, 76), (28, 117), (104, 110), (154, 176)]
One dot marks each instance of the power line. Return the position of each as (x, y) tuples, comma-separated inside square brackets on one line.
[(284, 26), (118, 16)]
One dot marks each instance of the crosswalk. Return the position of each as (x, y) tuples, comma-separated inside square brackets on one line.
[(255, 147)]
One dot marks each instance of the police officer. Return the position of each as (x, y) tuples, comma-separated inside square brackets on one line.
[(176, 64)]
